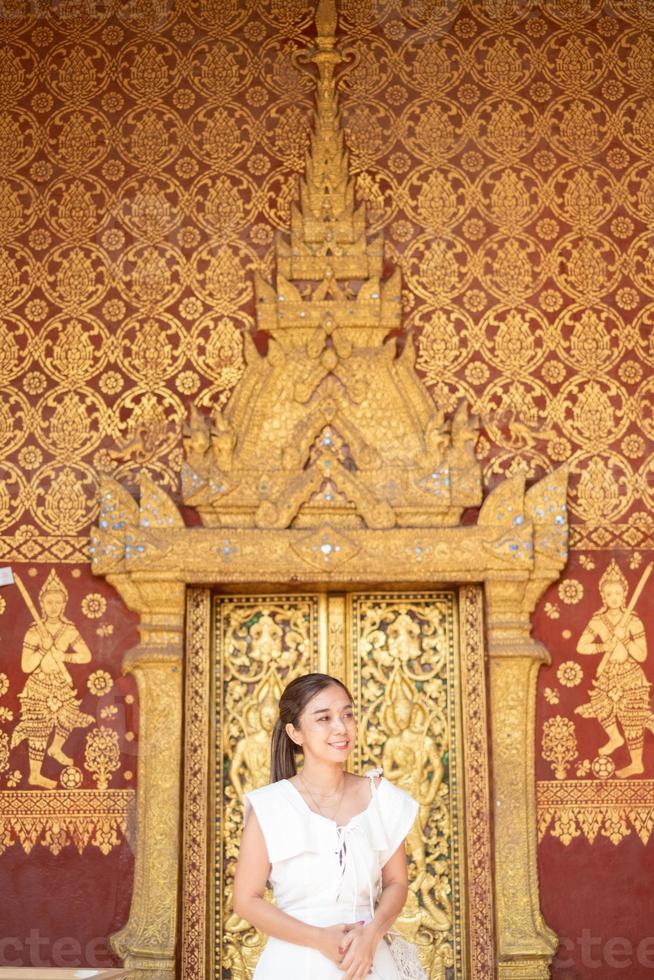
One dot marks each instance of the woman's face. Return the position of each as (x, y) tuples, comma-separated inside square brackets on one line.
[(327, 726)]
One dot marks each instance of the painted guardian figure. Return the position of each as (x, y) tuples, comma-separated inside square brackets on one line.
[(620, 698), (48, 702)]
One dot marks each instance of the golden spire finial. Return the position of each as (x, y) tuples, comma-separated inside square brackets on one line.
[(326, 19)]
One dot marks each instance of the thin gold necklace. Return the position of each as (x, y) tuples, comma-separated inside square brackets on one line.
[(315, 802)]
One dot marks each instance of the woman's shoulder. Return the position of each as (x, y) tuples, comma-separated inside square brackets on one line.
[(269, 792)]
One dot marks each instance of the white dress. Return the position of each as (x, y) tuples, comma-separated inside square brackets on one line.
[(324, 874)]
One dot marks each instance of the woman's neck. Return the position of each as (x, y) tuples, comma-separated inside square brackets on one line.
[(322, 776)]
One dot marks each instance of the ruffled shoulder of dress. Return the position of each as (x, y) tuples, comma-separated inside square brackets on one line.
[(390, 818), (288, 825)]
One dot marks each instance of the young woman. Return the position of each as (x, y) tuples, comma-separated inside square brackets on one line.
[(331, 844)]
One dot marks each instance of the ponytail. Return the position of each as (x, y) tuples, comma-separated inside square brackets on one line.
[(297, 694), (282, 753)]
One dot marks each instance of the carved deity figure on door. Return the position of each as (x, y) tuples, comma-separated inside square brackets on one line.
[(410, 758), (250, 764)]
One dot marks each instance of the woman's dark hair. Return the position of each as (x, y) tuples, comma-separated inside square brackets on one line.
[(292, 703)]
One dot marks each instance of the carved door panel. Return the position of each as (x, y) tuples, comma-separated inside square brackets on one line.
[(419, 695)]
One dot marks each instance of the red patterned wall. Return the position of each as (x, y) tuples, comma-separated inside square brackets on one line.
[(148, 151)]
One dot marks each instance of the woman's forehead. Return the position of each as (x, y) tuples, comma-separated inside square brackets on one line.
[(330, 697)]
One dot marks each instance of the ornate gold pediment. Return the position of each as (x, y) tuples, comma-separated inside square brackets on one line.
[(332, 423)]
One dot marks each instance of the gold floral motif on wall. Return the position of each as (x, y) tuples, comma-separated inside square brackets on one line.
[(148, 153)]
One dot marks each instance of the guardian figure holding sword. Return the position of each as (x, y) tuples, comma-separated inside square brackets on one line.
[(620, 698), (48, 703)]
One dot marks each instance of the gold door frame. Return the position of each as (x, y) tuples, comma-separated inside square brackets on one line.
[(200, 813), (155, 587)]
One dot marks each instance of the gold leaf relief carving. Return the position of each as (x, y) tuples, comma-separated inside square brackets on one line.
[(77, 215), (637, 50), (12, 74), (149, 210), (435, 65), (218, 70), (13, 150), (149, 73), (77, 77), (594, 417), (638, 123), (80, 143), (11, 212), (69, 425), (434, 130), (574, 66), (559, 744), (598, 496), (590, 343), (150, 143), (397, 642), (507, 64), (65, 507), (506, 128), (223, 209), (584, 201)]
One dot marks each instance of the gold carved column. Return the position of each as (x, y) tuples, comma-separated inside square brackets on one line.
[(147, 942), (525, 943)]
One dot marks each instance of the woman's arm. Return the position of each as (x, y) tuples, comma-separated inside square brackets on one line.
[(362, 942), (252, 870)]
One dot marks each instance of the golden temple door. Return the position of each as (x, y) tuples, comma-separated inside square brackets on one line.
[(414, 663)]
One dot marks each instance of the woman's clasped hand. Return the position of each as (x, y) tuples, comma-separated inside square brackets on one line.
[(357, 950), (352, 946)]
